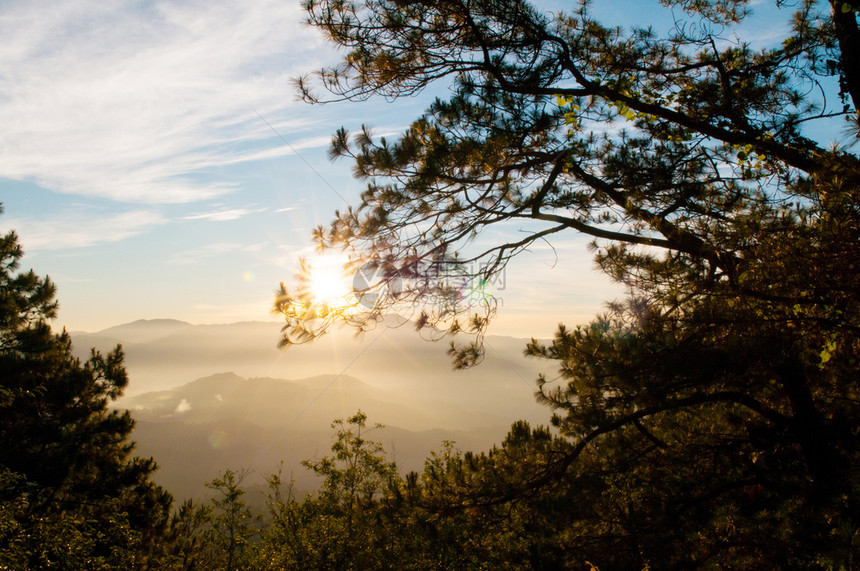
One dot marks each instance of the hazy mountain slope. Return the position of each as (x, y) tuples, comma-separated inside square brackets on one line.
[(394, 358), (197, 420), (144, 330), (189, 454), (307, 404), (198, 430)]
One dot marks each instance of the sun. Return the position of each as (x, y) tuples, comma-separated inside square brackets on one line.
[(328, 283)]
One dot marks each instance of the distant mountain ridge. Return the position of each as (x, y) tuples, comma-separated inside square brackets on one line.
[(310, 403), (161, 354), (143, 330), (211, 397)]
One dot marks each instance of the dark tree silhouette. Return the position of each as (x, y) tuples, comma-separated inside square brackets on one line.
[(73, 495), (706, 135), (712, 416)]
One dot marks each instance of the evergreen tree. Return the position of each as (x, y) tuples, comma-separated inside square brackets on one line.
[(558, 123), (340, 526), (711, 417), (73, 495), (230, 525), (356, 476)]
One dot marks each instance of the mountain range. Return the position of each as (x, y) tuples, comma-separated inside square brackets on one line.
[(208, 398)]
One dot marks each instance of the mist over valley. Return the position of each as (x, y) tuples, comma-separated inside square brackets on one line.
[(212, 397)]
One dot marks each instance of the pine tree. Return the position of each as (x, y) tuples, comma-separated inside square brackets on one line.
[(73, 495), (704, 154), (711, 417)]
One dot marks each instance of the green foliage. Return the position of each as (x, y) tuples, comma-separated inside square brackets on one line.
[(652, 495), (343, 514), (185, 545), (358, 470), (445, 517), (73, 496), (708, 420), (230, 525)]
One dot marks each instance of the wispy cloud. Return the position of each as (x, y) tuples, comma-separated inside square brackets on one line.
[(223, 214), (130, 100), (78, 230)]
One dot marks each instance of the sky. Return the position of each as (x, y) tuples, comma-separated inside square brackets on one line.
[(156, 163)]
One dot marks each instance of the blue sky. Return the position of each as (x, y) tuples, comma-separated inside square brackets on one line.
[(143, 163)]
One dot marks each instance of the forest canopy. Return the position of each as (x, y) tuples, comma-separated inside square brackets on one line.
[(710, 417)]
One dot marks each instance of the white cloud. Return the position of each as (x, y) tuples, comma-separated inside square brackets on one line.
[(223, 214), (183, 406), (78, 230), (128, 100)]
